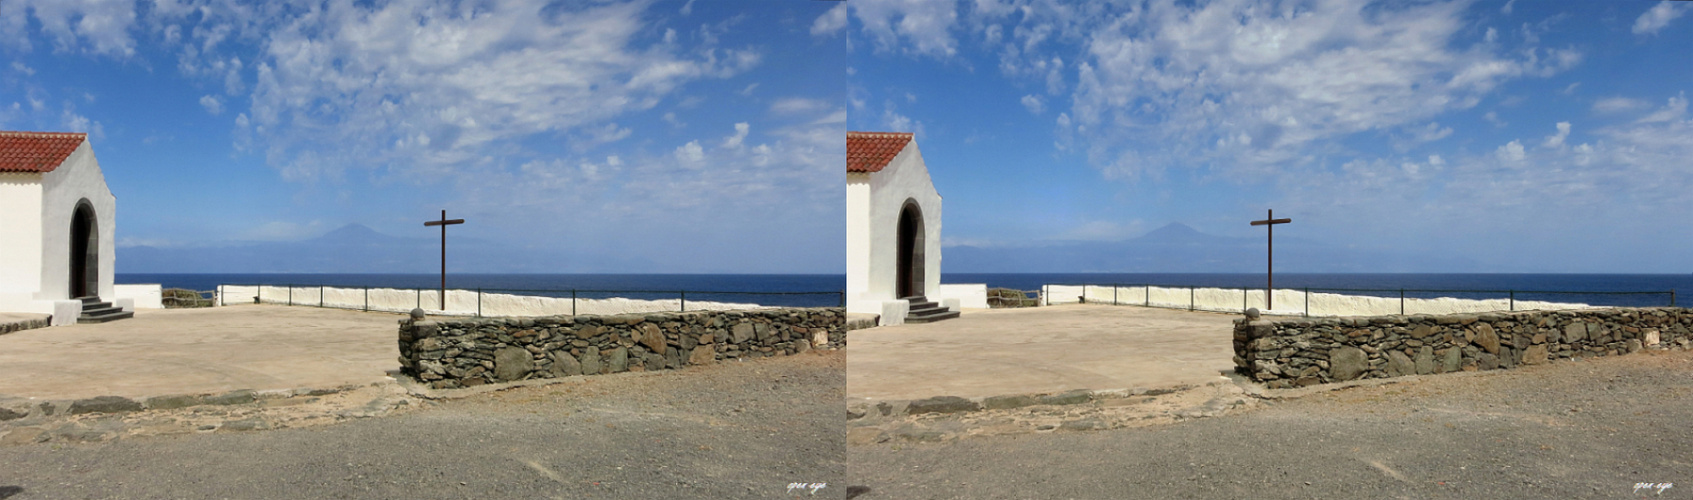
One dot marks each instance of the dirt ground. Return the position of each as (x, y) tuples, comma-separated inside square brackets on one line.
[(192, 351), (1597, 428), (750, 429), (1040, 350)]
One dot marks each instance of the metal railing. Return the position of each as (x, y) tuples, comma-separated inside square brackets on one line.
[(574, 294), (1511, 296)]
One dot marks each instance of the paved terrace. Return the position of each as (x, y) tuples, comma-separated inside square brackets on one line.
[(192, 351), (1040, 350)]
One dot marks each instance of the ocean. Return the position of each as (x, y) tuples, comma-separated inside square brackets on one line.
[(788, 290), (1582, 288)]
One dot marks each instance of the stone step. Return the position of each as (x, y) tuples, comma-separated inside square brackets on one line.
[(931, 317), (111, 314), (95, 310)]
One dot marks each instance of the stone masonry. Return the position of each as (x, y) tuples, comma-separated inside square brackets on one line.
[(467, 352), (1286, 353)]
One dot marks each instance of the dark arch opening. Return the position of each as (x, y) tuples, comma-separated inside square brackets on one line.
[(85, 252), (909, 282)]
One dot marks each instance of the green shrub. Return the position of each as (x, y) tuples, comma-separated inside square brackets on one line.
[(181, 297)]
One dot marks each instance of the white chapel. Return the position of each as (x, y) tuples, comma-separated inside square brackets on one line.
[(894, 234), (56, 228)]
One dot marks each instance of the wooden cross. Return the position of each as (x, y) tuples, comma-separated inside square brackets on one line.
[(444, 223), (1270, 286)]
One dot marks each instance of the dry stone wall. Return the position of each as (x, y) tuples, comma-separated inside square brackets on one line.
[(1298, 352), (459, 352)]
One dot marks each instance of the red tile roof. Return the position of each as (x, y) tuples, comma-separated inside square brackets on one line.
[(871, 151), (36, 151)]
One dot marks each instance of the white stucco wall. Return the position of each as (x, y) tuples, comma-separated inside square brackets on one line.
[(882, 195), (1290, 302), (459, 302), (972, 296), (20, 230), (858, 244), (147, 296), (79, 177)]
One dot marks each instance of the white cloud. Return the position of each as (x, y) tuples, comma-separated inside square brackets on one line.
[(798, 105), (922, 28), (1493, 118), (1556, 141), (1247, 85), (900, 123), (95, 26), (691, 153), (212, 104), (19, 66), (670, 118), (1660, 15), (1433, 132), (734, 141), (1033, 104), (1618, 105), (419, 87), (830, 22), (1674, 110), (1511, 152), (70, 120)]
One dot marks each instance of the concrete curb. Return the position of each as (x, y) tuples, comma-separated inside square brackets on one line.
[(29, 409), (895, 408), (28, 324)]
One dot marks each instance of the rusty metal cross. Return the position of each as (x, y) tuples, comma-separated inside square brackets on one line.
[(443, 223), (1270, 286)]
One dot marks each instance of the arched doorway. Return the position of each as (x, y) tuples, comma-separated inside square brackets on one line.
[(909, 280), (85, 252)]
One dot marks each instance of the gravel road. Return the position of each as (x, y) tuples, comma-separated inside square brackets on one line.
[(1583, 429), (734, 430)]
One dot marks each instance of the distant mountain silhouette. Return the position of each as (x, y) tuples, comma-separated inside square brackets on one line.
[(1178, 248), (356, 248)]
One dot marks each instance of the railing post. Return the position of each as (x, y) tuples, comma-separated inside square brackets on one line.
[(478, 302), (1190, 298), (1401, 301), (419, 298), (1307, 302), (1672, 297), (367, 299), (320, 295), (843, 299), (290, 295), (684, 294), (1243, 301), (221, 300), (573, 302), (1148, 296), (1513, 300), (260, 297)]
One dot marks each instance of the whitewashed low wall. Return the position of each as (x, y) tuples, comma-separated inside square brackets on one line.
[(1290, 302), (459, 302), (148, 296), (971, 296)]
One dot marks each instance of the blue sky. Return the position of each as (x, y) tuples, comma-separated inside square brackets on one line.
[(699, 137), (1548, 136)]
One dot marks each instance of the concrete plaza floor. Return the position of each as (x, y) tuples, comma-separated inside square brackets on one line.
[(1040, 350), (193, 351)]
